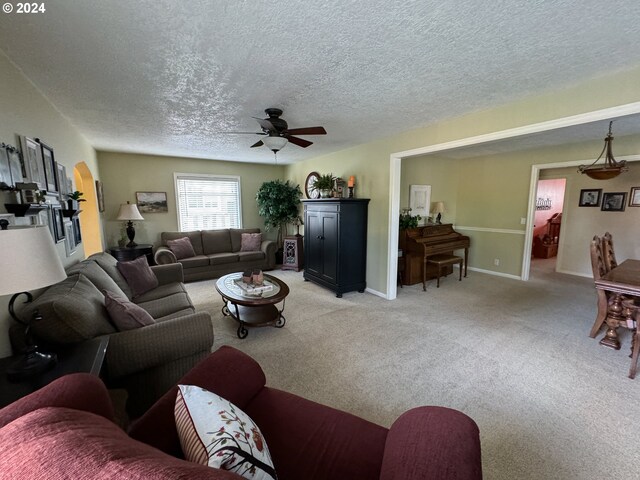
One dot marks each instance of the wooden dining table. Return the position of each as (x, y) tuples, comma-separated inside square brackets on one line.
[(621, 280)]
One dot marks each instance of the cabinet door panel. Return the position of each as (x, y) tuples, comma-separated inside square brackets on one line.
[(330, 247), (313, 243)]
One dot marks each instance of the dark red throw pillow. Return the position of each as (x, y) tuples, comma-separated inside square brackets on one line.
[(181, 248), (138, 275)]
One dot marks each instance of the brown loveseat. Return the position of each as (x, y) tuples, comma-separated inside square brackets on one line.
[(217, 253), (145, 361)]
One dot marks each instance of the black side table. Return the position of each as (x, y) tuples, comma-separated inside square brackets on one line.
[(126, 254), (85, 357)]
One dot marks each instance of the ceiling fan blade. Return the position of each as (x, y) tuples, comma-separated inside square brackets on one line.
[(301, 142), (259, 143), (265, 124), (308, 131), (239, 133)]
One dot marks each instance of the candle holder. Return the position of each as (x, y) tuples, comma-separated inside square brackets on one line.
[(351, 191)]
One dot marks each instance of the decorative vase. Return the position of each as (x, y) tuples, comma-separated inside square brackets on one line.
[(247, 277), (325, 193), (258, 277)]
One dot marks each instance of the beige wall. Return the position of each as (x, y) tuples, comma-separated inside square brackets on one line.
[(124, 174), (24, 111), (493, 191)]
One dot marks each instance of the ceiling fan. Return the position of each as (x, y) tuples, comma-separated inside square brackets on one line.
[(277, 132)]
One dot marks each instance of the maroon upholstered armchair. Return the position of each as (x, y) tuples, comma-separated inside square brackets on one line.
[(312, 441)]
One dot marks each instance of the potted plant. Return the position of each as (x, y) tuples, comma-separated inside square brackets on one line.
[(324, 184), (73, 200), (407, 220), (278, 203)]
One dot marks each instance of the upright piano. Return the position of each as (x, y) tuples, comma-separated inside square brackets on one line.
[(419, 243)]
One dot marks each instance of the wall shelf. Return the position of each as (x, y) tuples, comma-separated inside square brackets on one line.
[(25, 209)]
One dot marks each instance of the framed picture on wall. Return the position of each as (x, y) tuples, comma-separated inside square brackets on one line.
[(100, 195), (5, 170), (33, 166), (49, 165), (613, 201), (634, 197), (420, 200), (62, 182), (58, 223), (15, 164), (590, 197), (152, 202)]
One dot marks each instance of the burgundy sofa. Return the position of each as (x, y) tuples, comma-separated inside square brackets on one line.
[(64, 430)]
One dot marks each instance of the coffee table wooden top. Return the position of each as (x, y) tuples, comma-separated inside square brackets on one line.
[(229, 290)]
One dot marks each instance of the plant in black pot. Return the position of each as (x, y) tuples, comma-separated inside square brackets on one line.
[(278, 204), (74, 199), (407, 220), (324, 184)]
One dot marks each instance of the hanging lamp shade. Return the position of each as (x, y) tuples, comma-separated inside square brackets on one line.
[(610, 168)]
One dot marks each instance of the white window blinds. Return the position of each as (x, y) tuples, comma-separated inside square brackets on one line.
[(207, 202)]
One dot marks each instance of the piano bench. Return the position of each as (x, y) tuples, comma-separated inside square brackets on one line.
[(445, 261)]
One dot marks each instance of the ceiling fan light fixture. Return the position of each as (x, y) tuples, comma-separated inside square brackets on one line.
[(611, 168), (275, 143)]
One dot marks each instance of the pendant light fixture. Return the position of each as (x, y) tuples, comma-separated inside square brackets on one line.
[(611, 168)]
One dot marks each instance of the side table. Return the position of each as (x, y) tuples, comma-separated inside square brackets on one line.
[(86, 357), (126, 254)]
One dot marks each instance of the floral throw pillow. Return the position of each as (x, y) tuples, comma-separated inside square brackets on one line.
[(214, 432), (250, 242)]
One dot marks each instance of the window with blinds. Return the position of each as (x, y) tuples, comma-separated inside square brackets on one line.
[(207, 202)]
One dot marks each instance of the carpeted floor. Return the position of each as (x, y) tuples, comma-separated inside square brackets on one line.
[(515, 356)]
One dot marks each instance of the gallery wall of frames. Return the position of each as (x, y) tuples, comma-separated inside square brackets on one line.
[(37, 191)]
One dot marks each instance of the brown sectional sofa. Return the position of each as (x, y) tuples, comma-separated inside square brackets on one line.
[(145, 361), (217, 253)]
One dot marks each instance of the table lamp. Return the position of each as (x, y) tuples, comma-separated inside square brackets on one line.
[(29, 261), (129, 212), (438, 207)]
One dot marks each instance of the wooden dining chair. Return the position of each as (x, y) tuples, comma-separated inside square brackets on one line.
[(632, 312), (608, 253), (599, 269)]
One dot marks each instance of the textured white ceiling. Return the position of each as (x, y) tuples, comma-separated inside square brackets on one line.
[(168, 76)]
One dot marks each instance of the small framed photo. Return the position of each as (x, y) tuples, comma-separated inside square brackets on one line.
[(15, 164), (50, 169), (59, 232), (634, 197), (613, 201), (62, 182), (69, 242), (152, 202), (5, 170), (590, 197)]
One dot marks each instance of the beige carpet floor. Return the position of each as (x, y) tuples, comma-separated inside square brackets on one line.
[(515, 356)]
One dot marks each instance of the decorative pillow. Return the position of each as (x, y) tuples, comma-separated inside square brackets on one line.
[(214, 432), (124, 314), (138, 275), (181, 248), (250, 242)]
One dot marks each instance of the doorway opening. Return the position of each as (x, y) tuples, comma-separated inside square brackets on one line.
[(89, 218), (547, 224)]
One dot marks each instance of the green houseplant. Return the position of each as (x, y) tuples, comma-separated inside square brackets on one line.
[(278, 204), (324, 184), (407, 220), (73, 200)]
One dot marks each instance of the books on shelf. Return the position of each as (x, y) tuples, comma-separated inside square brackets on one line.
[(252, 289)]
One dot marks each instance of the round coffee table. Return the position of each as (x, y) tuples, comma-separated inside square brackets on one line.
[(249, 309)]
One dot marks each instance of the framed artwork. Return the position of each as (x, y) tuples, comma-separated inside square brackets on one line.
[(33, 166), (77, 235), (634, 197), (613, 201), (69, 241), (420, 200), (100, 195), (590, 197), (62, 182), (15, 164), (58, 223), (50, 169), (5, 170), (152, 202)]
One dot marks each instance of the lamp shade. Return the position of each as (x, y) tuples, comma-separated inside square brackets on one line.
[(29, 260), (438, 207), (129, 211), (275, 143)]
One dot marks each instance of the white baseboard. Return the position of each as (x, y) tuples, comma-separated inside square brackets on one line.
[(577, 274), (497, 274), (376, 293)]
